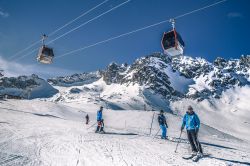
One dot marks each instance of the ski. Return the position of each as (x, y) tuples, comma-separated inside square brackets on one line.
[(187, 157), (172, 139), (100, 132), (196, 158)]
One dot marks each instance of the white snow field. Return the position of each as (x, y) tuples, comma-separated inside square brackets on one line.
[(43, 133)]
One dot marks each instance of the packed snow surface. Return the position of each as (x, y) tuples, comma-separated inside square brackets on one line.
[(46, 133)]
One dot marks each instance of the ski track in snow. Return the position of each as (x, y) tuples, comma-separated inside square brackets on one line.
[(29, 139)]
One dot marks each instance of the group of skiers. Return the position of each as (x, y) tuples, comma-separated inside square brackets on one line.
[(190, 121)]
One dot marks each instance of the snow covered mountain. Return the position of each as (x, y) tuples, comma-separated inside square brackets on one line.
[(212, 80), (154, 81), (75, 79), (28, 87), (150, 82)]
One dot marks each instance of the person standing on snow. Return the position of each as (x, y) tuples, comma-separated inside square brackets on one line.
[(99, 120), (87, 119), (163, 124), (192, 123)]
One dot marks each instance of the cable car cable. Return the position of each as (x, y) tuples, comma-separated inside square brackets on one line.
[(140, 29), (58, 29), (194, 11), (70, 22), (85, 23), (18, 53), (112, 38)]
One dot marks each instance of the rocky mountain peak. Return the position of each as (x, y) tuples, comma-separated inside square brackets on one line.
[(113, 73), (154, 71)]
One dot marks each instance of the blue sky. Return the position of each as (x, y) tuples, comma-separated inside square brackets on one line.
[(222, 30)]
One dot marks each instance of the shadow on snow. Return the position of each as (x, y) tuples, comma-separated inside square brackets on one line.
[(37, 114), (182, 140), (232, 161), (116, 133)]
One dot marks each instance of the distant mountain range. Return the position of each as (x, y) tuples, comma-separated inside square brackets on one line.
[(150, 81)]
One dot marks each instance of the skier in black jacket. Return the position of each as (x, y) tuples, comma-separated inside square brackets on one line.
[(87, 119), (163, 124)]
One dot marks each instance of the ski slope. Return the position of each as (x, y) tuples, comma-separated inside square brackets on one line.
[(46, 133), (230, 113)]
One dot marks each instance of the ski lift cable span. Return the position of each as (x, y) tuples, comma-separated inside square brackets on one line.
[(83, 24), (197, 10), (58, 29), (70, 22), (140, 29), (112, 38)]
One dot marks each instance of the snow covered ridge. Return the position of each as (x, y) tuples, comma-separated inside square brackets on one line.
[(173, 79), (222, 75), (28, 87), (182, 76), (75, 79)]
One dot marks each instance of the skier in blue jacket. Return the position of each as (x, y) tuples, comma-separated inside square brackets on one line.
[(100, 123), (192, 123), (163, 124)]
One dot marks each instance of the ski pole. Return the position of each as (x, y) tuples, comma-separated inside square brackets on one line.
[(156, 133), (178, 142), (151, 123), (91, 125)]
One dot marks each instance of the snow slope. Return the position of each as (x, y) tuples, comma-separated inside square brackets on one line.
[(230, 113), (45, 133), (113, 96)]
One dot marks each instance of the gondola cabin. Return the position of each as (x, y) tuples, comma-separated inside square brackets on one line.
[(45, 54), (172, 42)]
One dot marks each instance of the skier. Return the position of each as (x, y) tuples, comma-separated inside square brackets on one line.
[(163, 124), (99, 120), (192, 123), (87, 119), (102, 126)]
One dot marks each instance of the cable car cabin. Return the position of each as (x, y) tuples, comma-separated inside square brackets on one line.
[(45, 55), (172, 43)]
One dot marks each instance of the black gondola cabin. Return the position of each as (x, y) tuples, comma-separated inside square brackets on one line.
[(45, 54), (172, 42)]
